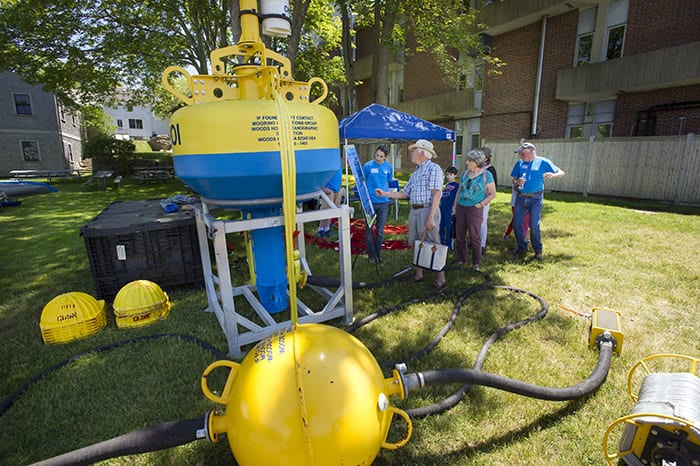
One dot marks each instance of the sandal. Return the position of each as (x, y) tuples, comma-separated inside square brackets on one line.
[(439, 287)]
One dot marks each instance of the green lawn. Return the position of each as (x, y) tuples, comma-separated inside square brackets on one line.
[(638, 258)]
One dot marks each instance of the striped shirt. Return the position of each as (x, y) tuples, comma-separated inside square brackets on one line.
[(425, 179)]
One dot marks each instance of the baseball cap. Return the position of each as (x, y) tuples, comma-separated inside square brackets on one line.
[(523, 146)]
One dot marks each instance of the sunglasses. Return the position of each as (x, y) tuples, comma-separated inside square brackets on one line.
[(469, 183)]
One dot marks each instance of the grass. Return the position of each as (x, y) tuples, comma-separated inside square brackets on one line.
[(635, 257)]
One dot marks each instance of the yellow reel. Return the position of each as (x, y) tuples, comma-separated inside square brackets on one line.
[(664, 427)]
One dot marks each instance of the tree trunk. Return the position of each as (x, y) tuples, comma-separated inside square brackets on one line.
[(234, 7), (299, 9), (385, 14), (350, 103)]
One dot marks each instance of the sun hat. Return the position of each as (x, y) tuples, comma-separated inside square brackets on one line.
[(424, 145), (523, 146)]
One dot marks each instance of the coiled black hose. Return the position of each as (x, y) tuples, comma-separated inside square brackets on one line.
[(452, 400)]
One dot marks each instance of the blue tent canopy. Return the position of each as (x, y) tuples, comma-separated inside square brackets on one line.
[(377, 122)]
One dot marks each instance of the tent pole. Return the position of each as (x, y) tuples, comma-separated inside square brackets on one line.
[(347, 179)]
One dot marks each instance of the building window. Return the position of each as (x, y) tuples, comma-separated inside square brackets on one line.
[(584, 45), (459, 136), (616, 41), (396, 86), (603, 117), (616, 23), (135, 123), (476, 141), (30, 151), (479, 77), (23, 104), (69, 149), (62, 112), (471, 73), (603, 131), (584, 36), (574, 131), (574, 121), (120, 124)]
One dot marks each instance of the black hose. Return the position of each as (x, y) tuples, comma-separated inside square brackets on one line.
[(330, 282), (452, 400), (445, 376), (153, 438), (10, 400)]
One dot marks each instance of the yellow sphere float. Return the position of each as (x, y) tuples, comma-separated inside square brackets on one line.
[(308, 395)]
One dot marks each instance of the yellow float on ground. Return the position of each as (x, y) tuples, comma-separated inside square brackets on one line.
[(140, 303), (71, 316)]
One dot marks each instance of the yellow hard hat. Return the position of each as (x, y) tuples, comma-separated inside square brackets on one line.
[(71, 316), (139, 303)]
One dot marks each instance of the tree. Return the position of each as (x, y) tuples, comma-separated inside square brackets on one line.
[(108, 152), (318, 45), (348, 25), (442, 28), (386, 15), (84, 51)]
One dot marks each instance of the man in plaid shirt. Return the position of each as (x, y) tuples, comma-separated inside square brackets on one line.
[(423, 190)]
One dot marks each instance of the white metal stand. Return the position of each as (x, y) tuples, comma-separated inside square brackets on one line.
[(221, 292)]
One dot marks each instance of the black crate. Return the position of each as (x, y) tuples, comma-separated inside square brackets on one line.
[(138, 240)]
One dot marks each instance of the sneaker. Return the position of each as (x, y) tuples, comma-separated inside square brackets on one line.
[(538, 256), (476, 267), (519, 252), (506, 237), (372, 260), (483, 250)]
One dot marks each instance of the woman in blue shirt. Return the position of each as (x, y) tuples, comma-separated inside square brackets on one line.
[(378, 173)]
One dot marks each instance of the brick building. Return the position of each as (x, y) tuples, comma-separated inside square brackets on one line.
[(573, 69)]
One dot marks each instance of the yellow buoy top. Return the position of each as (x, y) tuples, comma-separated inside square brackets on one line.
[(70, 309), (140, 297), (71, 316)]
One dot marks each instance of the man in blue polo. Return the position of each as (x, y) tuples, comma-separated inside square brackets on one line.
[(528, 175)]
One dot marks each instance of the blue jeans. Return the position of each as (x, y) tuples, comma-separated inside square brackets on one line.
[(375, 239), (533, 205), (446, 226)]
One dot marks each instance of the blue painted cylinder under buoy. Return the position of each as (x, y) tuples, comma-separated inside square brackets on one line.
[(270, 275)]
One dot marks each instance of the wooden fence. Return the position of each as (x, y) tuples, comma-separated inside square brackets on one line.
[(664, 168)]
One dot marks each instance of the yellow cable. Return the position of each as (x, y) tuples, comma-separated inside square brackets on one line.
[(289, 190)]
